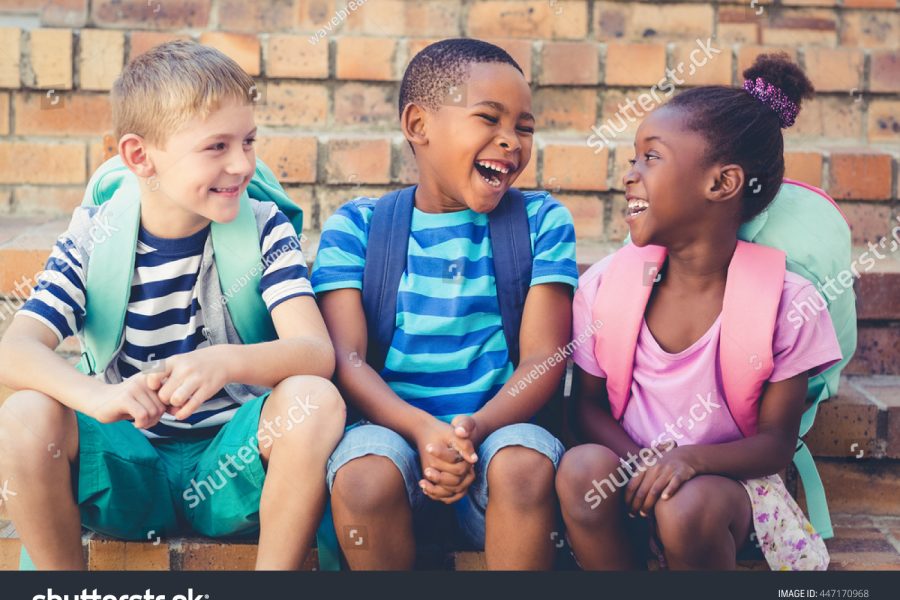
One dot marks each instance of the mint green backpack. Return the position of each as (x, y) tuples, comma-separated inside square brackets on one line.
[(809, 227), (237, 257)]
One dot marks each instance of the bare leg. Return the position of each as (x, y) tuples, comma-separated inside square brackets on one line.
[(521, 512), (596, 530), (369, 494), (704, 524), (38, 445), (294, 493)]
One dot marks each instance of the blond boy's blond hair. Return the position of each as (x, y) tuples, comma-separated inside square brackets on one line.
[(161, 90)]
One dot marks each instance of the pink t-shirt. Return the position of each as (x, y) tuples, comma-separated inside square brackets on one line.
[(680, 396)]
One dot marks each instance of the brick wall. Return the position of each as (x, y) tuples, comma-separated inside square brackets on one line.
[(328, 96)]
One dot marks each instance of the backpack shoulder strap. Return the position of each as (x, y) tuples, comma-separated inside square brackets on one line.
[(512, 257), (109, 277), (386, 250), (239, 265), (755, 281), (630, 274)]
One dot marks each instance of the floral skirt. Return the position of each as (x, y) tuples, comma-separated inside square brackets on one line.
[(783, 533)]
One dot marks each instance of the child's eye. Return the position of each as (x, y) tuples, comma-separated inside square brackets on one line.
[(632, 161), (528, 130), (649, 156), (218, 146), (489, 118), (249, 141)]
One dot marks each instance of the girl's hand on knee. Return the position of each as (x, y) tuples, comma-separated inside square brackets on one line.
[(660, 481)]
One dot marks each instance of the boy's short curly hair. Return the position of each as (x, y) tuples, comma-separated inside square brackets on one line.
[(436, 70), (162, 89)]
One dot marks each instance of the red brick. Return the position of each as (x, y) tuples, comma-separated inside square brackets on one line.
[(860, 176), (565, 108), (528, 177), (4, 114), (217, 556), (570, 63), (870, 29), (845, 426), (634, 64), (74, 114), (407, 172), (55, 202), (884, 121), (804, 166), (575, 167), (256, 17), (292, 159), (885, 71), (101, 56), (520, 50), (621, 115), (869, 221), (51, 58), (365, 104), (400, 18), (877, 293), (703, 69), (315, 14), (32, 162), (617, 228), (834, 69), (358, 160), (304, 197), (563, 19), (858, 486), (808, 26), (243, 48), (587, 215), (828, 117), (293, 104), (747, 54), (622, 153), (870, 3), (64, 13), (141, 41), (151, 14), (10, 550), (633, 21), (10, 56), (877, 350), (113, 555), (293, 56), (366, 59)]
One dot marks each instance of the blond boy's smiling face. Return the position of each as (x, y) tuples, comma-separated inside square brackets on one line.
[(199, 174)]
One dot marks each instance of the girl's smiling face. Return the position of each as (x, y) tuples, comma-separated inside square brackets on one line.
[(669, 183), (470, 154)]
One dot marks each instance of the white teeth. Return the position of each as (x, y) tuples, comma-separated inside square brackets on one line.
[(493, 166), (638, 204), (493, 181)]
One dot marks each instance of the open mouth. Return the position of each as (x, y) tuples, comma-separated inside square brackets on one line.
[(636, 206), (228, 191), (494, 172)]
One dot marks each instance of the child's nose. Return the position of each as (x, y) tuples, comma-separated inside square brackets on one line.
[(242, 163)]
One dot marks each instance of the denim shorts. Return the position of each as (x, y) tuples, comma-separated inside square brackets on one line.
[(368, 438)]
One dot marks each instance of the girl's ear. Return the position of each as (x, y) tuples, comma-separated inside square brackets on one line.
[(727, 183), (133, 151), (412, 122)]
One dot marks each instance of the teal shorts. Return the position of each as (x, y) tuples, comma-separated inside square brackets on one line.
[(134, 488)]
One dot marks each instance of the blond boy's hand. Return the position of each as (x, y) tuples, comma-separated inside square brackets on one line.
[(185, 381), (130, 400)]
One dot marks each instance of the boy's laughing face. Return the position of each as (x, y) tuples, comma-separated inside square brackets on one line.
[(200, 172), (470, 154)]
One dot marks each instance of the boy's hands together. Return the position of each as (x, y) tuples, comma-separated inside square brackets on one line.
[(448, 458), (133, 399), (188, 380)]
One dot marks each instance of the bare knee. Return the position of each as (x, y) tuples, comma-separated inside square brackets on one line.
[(34, 426), (584, 496), (369, 485), (306, 398), (698, 514), (521, 476)]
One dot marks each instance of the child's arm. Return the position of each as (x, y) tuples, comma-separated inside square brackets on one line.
[(765, 453), (302, 348), (545, 330), (595, 423), (28, 361)]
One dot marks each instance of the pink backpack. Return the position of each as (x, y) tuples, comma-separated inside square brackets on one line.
[(754, 285)]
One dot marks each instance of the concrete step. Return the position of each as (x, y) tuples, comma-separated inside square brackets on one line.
[(861, 542)]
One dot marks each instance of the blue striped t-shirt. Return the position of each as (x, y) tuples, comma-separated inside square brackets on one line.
[(164, 317), (448, 355)]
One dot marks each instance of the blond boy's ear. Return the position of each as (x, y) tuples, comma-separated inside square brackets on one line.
[(412, 122), (133, 150)]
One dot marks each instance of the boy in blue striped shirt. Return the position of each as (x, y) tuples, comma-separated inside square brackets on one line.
[(225, 437), (445, 420)]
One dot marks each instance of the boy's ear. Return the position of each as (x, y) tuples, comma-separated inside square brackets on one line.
[(727, 183), (412, 121), (133, 150)]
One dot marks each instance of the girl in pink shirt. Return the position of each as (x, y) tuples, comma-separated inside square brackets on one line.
[(699, 490)]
